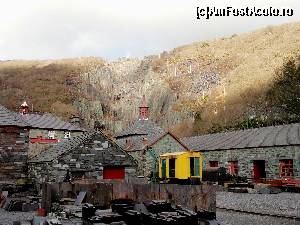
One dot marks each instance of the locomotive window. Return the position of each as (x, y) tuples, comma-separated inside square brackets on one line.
[(195, 166), (163, 168), (171, 167)]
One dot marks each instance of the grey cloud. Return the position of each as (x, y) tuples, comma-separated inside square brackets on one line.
[(112, 29)]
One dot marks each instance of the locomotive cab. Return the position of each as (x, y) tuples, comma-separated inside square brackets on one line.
[(181, 167)]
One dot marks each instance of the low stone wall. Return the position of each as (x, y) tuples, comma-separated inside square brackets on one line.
[(194, 197)]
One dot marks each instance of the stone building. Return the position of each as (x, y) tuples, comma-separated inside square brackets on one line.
[(268, 152), (145, 141), (14, 146), (24, 134), (90, 155), (46, 130)]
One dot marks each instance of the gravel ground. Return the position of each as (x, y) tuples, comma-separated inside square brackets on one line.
[(234, 218), (7, 218), (287, 204)]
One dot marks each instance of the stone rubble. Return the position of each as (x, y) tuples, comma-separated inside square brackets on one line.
[(8, 218)]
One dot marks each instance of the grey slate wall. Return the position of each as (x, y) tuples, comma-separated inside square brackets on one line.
[(165, 145), (146, 161), (245, 158), (13, 152)]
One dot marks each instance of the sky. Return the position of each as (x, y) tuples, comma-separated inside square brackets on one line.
[(54, 29)]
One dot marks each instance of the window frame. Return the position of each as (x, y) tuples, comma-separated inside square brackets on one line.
[(288, 166), (233, 167), (51, 134)]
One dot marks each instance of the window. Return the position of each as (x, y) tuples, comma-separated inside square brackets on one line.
[(172, 167), (286, 168), (163, 168), (67, 134), (233, 168), (51, 134), (213, 163), (195, 166), (128, 142)]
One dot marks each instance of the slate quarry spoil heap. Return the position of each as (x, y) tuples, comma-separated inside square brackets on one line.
[(125, 211)]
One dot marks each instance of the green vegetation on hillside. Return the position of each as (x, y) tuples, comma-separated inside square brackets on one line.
[(283, 95), (285, 91)]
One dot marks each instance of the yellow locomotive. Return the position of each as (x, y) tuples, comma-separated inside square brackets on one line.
[(181, 167)]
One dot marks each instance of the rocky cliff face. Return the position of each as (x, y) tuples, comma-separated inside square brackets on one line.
[(115, 90)]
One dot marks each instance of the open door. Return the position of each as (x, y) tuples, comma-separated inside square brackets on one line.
[(163, 168), (259, 170), (172, 168)]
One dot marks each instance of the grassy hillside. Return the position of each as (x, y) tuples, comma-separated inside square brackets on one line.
[(227, 83), (247, 66), (47, 86)]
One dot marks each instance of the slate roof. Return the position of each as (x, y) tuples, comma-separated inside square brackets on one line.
[(112, 154), (282, 135), (48, 121), (61, 148), (8, 118), (140, 127), (45, 121), (137, 131)]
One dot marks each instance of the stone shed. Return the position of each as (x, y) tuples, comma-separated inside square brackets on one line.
[(91, 155), (268, 152)]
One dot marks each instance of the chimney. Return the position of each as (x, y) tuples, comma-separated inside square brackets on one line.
[(144, 110), (24, 109)]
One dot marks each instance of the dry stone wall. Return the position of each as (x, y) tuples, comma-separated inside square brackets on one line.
[(13, 153)]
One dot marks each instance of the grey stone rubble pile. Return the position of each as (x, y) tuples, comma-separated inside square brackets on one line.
[(283, 204)]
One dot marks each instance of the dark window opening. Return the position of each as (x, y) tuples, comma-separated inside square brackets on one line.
[(171, 167), (78, 175), (213, 164), (195, 166), (163, 168), (233, 168)]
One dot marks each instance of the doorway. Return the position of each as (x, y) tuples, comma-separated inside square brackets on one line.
[(163, 168), (259, 170), (172, 168)]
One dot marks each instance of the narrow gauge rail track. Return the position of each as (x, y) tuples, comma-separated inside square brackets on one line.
[(295, 218)]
